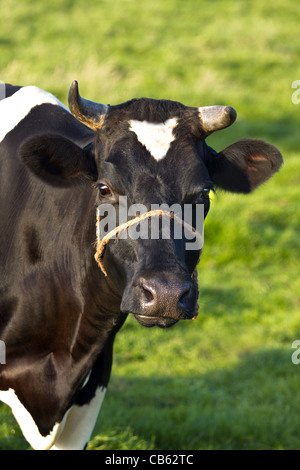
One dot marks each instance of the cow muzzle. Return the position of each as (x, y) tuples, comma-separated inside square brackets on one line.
[(160, 300)]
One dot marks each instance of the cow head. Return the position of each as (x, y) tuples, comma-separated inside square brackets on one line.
[(154, 154)]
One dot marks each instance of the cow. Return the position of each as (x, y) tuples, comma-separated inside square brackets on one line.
[(60, 309)]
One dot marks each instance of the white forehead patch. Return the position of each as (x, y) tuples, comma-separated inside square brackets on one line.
[(157, 138)]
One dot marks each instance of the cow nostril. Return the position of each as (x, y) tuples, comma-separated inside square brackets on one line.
[(147, 292), (183, 300), (157, 294), (148, 295)]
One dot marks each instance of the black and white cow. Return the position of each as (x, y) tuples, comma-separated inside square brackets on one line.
[(58, 312)]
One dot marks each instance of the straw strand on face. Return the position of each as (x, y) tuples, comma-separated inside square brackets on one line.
[(136, 220), (139, 218)]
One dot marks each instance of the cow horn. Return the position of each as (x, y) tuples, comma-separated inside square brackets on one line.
[(89, 113), (214, 118)]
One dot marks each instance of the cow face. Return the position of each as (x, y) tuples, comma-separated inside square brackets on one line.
[(150, 153), (147, 152)]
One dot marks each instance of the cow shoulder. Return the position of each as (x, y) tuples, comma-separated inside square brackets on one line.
[(15, 108)]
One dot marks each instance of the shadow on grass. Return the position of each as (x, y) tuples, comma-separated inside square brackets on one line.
[(252, 405)]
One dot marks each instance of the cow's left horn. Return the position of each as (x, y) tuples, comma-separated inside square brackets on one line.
[(214, 118), (89, 113)]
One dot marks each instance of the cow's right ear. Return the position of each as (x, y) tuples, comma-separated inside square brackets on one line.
[(58, 161)]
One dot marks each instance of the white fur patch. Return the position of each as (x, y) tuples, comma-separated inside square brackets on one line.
[(16, 107), (71, 434), (79, 424), (26, 423), (157, 138)]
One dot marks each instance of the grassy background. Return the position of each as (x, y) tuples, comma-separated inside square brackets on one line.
[(226, 380)]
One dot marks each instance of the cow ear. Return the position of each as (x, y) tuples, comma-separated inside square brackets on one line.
[(58, 161), (244, 165)]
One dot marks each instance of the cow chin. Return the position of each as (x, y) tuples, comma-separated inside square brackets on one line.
[(149, 322)]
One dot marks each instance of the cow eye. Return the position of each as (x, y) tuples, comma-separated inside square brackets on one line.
[(205, 192), (104, 190)]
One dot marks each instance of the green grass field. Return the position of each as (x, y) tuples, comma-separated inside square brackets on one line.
[(226, 380)]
